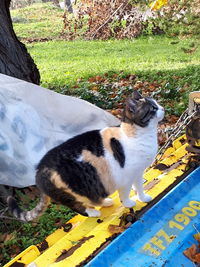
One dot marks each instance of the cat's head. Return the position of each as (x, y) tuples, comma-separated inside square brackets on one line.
[(141, 110)]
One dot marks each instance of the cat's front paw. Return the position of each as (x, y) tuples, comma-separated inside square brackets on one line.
[(145, 198), (107, 202), (129, 203)]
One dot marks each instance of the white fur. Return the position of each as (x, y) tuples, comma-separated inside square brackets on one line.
[(79, 158), (93, 212), (140, 151), (107, 202), (32, 264)]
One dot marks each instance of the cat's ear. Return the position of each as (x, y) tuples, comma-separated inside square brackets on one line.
[(136, 95), (132, 105)]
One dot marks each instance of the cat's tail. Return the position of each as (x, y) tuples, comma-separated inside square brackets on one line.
[(28, 215)]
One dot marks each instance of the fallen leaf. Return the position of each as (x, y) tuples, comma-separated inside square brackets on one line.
[(2, 237), (197, 258), (132, 77), (15, 250), (94, 88), (115, 75), (190, 252), (92, 79), (189, 51), (197, 237), (99, 78), (9, 237), (161, 136), (116, 229)]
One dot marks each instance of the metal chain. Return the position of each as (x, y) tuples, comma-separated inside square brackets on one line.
[(180, 125)]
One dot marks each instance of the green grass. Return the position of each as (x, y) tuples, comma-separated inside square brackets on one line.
[(38, 21), (159, 59), (19, 236), (61, 63)]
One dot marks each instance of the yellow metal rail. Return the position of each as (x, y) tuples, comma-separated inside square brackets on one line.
[(87, 235)]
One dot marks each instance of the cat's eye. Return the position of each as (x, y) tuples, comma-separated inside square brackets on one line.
[(154, 108)]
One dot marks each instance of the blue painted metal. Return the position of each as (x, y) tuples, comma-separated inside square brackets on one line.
[(161, 235)]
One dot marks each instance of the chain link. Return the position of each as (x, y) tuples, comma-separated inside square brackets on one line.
[(180, 125)]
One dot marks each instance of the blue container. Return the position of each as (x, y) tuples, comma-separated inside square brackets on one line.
[(161, 235)]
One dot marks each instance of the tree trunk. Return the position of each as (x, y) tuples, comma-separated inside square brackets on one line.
[(15, 61), (68, 6)]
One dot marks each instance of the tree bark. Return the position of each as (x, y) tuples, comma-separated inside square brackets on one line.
[(15, 61)]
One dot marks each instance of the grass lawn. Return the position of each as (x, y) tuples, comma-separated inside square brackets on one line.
[(164, 60), (61, 63), (172, 62), (37, 21)]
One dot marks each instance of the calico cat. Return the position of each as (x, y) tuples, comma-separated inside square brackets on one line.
[(82, 172)]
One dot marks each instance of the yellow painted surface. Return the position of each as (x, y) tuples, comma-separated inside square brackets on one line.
[(61, 241), (25, 256)]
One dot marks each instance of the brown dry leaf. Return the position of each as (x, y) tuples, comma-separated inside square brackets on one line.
[(36, 234), (9, 237), (94, 88), (115, 229), (75, 86), (190, 252), (197, 237), (173, 119), (176, 77), (115, 75), (113, 95), (123, 82), (189, 51), (2, 237), (15, 250), (152, 87), (197, 258), (99, 78), (161, 136), (92, 79), (132, 77)]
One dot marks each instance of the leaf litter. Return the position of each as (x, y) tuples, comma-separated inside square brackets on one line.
[(193, 252)]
